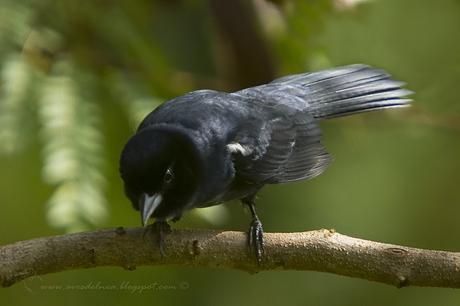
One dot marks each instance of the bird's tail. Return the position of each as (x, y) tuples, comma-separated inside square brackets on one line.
[(345, 90)]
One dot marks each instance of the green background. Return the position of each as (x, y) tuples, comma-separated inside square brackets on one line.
[(395, 175)]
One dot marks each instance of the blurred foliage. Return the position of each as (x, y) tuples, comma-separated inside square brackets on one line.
[(73, 53), (76, 78)]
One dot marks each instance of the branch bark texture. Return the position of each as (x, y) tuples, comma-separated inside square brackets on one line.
[(321, 250)]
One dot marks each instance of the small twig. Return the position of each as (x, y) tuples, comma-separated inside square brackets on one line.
[(322, 250)]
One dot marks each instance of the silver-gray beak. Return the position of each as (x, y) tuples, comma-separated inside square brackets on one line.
[(147, 205)]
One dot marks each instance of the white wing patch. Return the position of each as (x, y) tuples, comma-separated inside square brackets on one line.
[(238, 148)]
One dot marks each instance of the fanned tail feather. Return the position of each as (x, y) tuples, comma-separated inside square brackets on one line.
[(345, 90)]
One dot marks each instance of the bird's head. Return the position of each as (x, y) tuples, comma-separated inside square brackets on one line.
[(160, 167)]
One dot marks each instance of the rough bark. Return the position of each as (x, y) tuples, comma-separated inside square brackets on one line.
[(321, 250)]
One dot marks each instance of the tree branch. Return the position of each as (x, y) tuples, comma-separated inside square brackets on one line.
[(321, 250)]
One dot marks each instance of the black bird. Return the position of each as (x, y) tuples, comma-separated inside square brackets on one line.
[(208, 147)]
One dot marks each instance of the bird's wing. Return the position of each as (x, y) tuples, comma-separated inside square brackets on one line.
[(309, 158), (282, 149)]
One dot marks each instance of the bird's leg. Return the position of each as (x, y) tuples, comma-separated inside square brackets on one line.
[(256, 232), (160, 228)]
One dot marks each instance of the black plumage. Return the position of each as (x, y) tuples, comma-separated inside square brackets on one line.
[(208, 147)]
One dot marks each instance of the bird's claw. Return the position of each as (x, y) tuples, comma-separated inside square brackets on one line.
[(160, 228), (256, 239)]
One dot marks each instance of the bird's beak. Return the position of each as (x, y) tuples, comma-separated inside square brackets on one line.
[(147, 205)]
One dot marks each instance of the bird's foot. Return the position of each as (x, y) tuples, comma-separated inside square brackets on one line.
[(256, 239), (160, 228)]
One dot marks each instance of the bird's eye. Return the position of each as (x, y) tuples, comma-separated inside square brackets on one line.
[(169, 176)]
